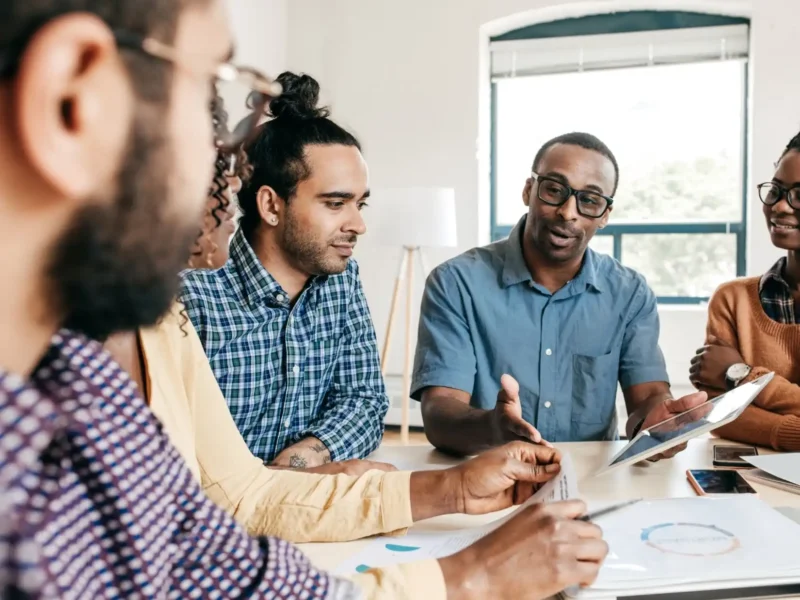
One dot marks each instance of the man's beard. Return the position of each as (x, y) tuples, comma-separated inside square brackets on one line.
[(310, 254), (116, 267)]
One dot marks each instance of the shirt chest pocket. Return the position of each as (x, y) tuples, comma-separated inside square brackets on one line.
[(594, 390), (320, 361)]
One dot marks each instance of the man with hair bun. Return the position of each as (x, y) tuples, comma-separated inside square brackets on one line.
[(285, 323)]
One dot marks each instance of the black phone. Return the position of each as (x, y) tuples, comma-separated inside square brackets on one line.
[(731, 456), (709, 482)]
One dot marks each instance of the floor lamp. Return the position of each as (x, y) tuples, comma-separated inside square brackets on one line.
[(411, 218)]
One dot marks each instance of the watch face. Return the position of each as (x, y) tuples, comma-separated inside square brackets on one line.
[(738, 371)]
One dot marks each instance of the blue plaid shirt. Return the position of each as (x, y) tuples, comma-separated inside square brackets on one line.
[(290, 372)]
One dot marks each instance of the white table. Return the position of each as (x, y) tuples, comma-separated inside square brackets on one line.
[(665, 479)]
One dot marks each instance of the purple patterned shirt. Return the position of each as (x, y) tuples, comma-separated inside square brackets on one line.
[(96, 503)]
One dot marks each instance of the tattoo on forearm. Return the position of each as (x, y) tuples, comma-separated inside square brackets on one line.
[(319, 448), (297, 462)]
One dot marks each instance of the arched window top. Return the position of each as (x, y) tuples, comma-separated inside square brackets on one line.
[(621, 22)]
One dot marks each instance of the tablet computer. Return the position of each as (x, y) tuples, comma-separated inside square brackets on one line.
[(692, 423)]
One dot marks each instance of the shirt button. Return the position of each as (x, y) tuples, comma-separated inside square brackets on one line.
[(548, 352), (287, 423), (548, 404), (280, 297), (295, 369)]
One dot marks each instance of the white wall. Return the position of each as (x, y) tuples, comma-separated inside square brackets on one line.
[(406, 77), (260, 28)]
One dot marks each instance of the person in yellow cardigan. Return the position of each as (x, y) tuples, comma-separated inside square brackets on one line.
[(170, 366), (754, 324)]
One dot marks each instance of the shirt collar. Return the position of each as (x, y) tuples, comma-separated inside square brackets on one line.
[(258, 283), (515, 269), (773, 279)]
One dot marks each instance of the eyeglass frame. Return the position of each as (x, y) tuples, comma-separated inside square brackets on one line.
[(263, 88), (784, 193), (572, 192)]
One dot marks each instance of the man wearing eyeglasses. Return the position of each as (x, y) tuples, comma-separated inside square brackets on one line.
[(106, 152), (529, 337)]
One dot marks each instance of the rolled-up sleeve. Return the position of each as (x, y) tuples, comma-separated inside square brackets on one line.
[(445, 354), (410, 581), (641, 359)]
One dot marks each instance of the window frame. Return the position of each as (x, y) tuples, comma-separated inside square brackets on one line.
[(610, 25)]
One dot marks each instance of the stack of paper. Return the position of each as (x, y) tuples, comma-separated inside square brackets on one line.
[(777, 470), (695, 544)]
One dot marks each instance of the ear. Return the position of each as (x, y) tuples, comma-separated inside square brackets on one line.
[(74, 105), (526, 192), (270, 205)]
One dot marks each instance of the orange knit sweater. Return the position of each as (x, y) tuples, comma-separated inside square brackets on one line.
[(735, 316)]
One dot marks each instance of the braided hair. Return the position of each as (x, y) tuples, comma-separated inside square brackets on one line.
[(227, 165)]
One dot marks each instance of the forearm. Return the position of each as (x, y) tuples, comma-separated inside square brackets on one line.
[(306, 507), (305, 454), (454, 426), (763, 428), (781, 396), (351, 427), (434, 493), (410, 581)]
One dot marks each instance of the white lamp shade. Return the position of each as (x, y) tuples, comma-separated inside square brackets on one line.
[(413, 217)]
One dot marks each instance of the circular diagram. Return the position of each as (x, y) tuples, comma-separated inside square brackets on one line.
[(690, 539)]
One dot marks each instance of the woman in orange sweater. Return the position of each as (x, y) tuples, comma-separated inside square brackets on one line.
[(754, 325)]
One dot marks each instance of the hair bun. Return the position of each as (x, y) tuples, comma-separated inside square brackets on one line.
[(299, 98)]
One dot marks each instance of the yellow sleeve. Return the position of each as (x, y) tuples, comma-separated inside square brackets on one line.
[(411, 581), (298, 507)]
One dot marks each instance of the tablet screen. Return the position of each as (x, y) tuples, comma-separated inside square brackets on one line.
[(707, 417)]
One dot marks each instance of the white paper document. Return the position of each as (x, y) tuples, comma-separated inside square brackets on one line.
[(385, 551), (784, 466), (695, 542)]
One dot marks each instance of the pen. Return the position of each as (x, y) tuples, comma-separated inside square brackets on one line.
[(609, 509)]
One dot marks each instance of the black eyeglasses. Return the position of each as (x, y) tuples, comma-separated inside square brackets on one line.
[(771, 193), (242, 87), (555, 193)]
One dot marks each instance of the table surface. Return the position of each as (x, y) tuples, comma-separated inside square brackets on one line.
[(665, 479)]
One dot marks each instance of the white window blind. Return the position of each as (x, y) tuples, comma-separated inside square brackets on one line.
[(519, 58)]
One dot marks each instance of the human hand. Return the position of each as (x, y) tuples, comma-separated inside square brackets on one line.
[(535, 555), (711, 364), (507, 422), (669, 408), (504, 476)]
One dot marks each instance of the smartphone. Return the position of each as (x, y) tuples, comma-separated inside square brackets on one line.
[(708, 482), (731, 456)]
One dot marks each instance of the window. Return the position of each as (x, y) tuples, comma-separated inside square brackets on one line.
[(670, 104)]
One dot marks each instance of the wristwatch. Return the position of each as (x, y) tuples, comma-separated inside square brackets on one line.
[(735, 374)]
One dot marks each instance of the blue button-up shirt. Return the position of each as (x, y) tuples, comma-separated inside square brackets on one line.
[(483, 316), (290, 371)]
